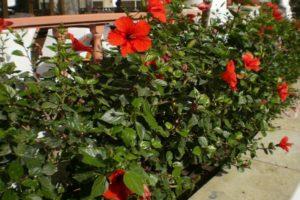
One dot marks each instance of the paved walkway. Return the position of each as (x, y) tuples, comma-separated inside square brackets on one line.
[(271, 177)]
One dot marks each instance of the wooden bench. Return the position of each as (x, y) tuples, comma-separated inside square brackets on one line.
[(95, 22)]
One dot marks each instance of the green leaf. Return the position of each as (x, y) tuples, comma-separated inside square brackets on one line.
[(91, 156), (11, 92), (177, 169), (203, 100), (49, 105), (113, 117), (15, 170), (92, 81), (128, 136), (33, 197), (140, 129), (151, 120), (192, 43), (98, 187), (169, 157), (135, 182), (48, 190), (156, 143), (159, 82), (197, 151), (193, 121), (2, 186), (137, 102), (83, 176), (30, 183), (9, 195), (5, 150), (203, 141), (49, 169), (79, 80), (184, 133), (168, 125), (17, 53)]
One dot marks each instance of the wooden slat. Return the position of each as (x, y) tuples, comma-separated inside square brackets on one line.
[(62, 7), (84, 20), (30, 7), (51, 7), (4, 8)]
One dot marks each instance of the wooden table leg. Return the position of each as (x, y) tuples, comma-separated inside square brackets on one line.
[(97, 32)]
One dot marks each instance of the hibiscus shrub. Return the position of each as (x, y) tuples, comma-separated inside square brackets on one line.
[(171, 101)]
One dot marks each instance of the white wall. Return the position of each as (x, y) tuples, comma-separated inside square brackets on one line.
[(23, 64)]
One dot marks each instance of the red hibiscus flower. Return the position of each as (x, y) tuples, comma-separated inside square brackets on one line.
[(204, 6), (282, 90), (4, 24), (117, 190), (77, 45), (271, 5), (277, 15), (167, 1), (131, 37), (147, 194), (275, 11), (191, 17), (229, 75), (284, 144), (250, 62), (157, 10)]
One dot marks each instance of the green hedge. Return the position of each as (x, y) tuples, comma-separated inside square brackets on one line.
[(149, 122)]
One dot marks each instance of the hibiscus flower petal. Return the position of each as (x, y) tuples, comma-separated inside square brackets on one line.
[(116, 38), (110, 195), (230, 66), (116, 174), (161, 16), (141, 44), (157, 9), (124, 24), (141, 28), (247, 57), (126, 49)]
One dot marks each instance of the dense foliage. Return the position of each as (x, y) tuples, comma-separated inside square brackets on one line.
[(192, 99), (295, 5)]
